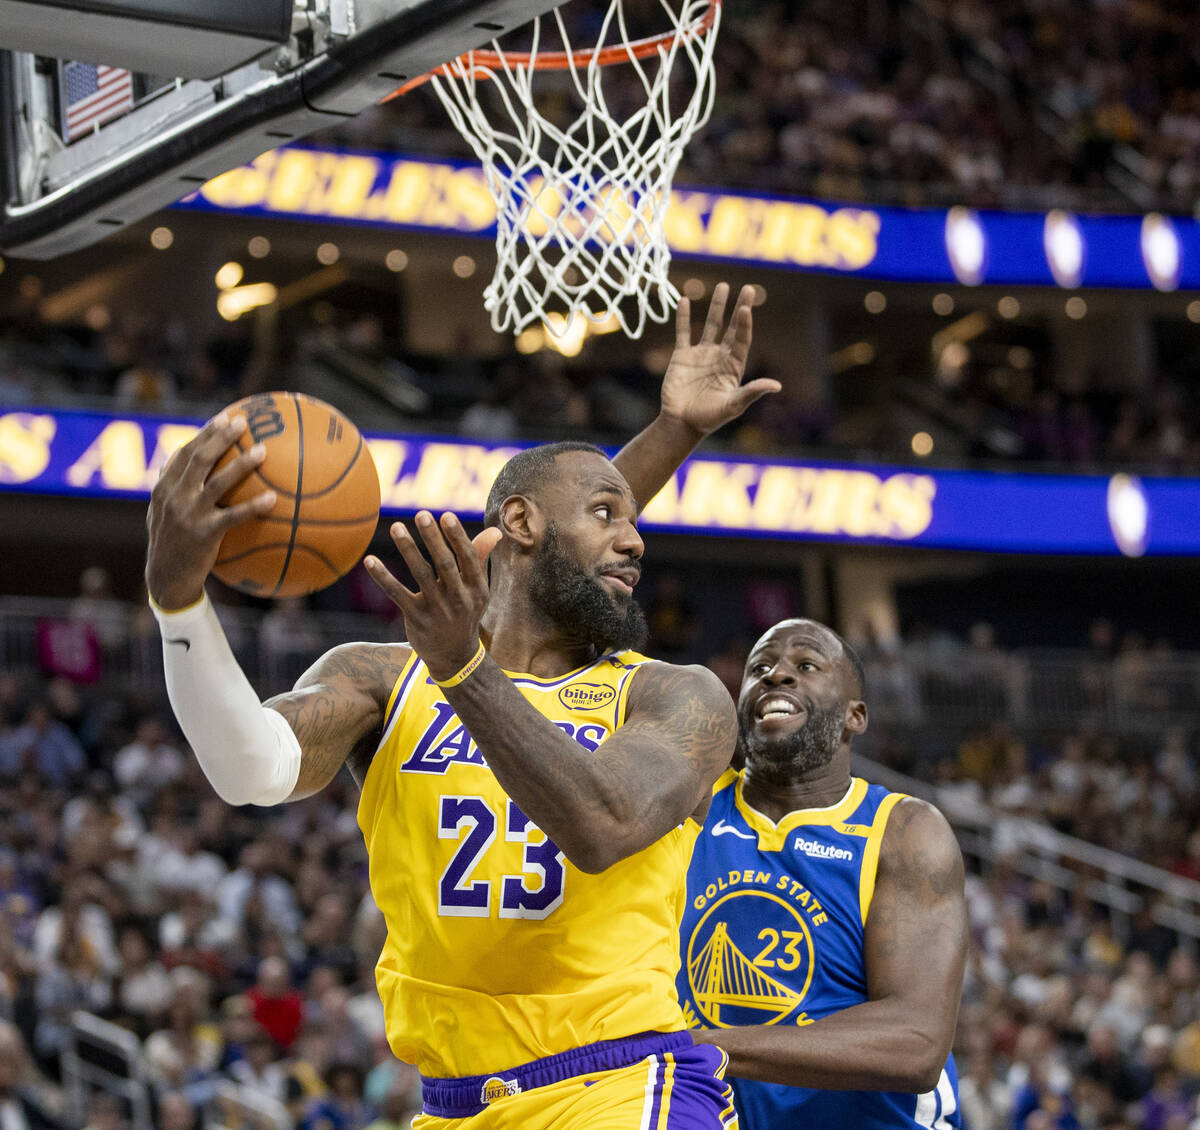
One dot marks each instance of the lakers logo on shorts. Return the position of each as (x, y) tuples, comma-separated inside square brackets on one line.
[(750, 960), (495, 1089)]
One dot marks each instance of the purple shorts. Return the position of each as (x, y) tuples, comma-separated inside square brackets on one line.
[(652, 1081)]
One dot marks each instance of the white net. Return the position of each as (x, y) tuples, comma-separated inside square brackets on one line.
[(580, 146)]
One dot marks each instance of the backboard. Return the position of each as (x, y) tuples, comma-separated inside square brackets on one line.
[(63, 190)]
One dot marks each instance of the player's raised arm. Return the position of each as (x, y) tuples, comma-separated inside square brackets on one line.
[(702, 391), (915, 945), (598, 807), (250, 754)]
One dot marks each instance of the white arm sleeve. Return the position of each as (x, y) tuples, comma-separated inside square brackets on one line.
[(248, 752)]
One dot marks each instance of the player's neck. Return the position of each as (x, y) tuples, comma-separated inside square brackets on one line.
[(522, 638), (776, 793)]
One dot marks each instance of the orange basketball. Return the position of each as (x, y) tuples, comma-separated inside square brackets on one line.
[(327, 498)]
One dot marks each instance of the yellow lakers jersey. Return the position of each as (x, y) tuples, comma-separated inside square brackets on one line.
[(499, 951)]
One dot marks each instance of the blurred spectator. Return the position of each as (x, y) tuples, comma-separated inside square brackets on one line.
[(288, 638), (104, 1112), (98, 607), (278, 1007), (21, 1107), (254, 878), (143, 990), (342, 1108), (260, 1069), (149, 763), (43, 747), (185, 1052), (175, 1112)]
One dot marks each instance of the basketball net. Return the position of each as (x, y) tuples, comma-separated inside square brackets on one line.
[(580, 207)]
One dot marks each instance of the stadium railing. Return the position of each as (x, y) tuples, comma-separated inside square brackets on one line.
[(103, 1056), (1033, 849), (1047, 689)]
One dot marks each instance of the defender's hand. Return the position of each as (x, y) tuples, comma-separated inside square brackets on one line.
[(703, 384), (186, 523), (442, 617)]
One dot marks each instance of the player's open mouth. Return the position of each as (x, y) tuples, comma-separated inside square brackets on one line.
[(773, 708)]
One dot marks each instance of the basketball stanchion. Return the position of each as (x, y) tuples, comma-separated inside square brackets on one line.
[(581, 187)]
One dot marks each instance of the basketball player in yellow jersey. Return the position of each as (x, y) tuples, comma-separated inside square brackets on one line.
[(531, 785)]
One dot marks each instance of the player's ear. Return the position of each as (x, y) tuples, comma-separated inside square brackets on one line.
[(856, 716), (521, 520)]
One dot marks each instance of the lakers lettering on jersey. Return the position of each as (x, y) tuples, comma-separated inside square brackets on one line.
[(500, 951), (773, 934)]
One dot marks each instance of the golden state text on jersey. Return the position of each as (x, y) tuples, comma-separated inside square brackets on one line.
[(500, 951), (773, 934)]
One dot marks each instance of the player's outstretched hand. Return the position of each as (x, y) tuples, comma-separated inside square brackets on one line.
[(185, 520), (442, 617), (703, 383)]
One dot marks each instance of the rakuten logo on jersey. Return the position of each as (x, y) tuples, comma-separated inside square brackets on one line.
[(815, 850)]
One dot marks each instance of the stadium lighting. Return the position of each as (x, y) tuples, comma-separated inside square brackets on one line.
[(396, 260), (1193, 310), (328, 254), (236, 301), (161, 238), (464, 266), (229, 275), (1076, 308), (1128, 514), (1008, 307), (922, 444), (1162, 255), (966, 246), (694, 289), (259, 247), (943, 304), (1066, 251), (875, 301)]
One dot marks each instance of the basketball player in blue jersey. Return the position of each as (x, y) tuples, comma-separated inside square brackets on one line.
[(531, 785), (825, 932)]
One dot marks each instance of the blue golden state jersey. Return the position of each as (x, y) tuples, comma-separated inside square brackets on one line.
[(773, 934), (499, 950)]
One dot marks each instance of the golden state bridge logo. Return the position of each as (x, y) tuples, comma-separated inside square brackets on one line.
[(750, 960), (586, 696)]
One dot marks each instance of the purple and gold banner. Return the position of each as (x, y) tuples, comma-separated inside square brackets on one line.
[(107, 456), (931, 245)]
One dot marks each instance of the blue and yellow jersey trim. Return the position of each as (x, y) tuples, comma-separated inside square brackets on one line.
[(870, 866), (773, 836)]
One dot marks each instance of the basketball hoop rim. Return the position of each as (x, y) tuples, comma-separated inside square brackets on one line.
[(482, 63)]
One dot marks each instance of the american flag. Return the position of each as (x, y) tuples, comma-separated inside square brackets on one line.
[(92, 95)]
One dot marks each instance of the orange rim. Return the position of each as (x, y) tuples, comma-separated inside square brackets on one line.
[(485, 62)]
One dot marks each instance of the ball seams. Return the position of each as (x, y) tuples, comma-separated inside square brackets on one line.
[(283, 491), (300, 547), (287, 560)]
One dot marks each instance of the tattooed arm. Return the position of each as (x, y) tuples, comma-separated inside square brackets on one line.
[(915, 948), (644, 780), (336, 710)]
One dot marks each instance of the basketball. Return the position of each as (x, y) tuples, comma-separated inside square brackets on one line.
[(327, 503)]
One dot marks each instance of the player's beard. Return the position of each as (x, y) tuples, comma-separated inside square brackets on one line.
[(811, 746), (578, 602)]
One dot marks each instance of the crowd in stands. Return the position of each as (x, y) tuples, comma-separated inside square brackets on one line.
[(238, 944), (1029, 104), (1116, 76)]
